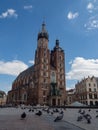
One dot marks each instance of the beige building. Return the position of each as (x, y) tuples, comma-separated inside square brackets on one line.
[(70, 94), (2, 98), (43, 82), (87, 91)]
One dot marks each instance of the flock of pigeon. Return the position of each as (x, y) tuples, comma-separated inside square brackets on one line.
[(47, 110), (84, 115)]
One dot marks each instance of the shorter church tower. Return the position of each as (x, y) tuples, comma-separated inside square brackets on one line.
[(58, 63)]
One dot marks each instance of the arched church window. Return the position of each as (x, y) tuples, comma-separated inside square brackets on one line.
[(32, 85)]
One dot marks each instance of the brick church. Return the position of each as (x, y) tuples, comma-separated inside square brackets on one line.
[(43, 82)]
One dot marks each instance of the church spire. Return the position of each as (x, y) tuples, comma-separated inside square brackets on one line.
[(43, 27), (43, 33)]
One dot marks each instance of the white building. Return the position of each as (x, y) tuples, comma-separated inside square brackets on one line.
[(87, 91)]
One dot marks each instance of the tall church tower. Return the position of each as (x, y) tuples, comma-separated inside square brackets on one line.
[(42, 66)]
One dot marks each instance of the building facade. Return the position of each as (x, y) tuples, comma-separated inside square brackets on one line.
[(43, 82), (87, 91)]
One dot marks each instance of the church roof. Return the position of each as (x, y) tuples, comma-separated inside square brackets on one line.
[(26, 72)]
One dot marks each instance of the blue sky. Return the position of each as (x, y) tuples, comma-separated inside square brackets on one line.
[(74, 23)]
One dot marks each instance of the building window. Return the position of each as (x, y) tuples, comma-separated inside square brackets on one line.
[(91, 103), (44, 99), (89, 84), (90, 96), (44, 66), (60, 76), (44, 73), (60, 65), (44, 54), (44, 60), (44, 93), (94, 89), (60, 57), (45, 50), (25, 96), (89, 89), (95, 96), (44, 80)]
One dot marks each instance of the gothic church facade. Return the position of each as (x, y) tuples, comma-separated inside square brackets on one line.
[(43, 82)]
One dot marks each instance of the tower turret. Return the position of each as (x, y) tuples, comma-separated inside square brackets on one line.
[(57, 43)]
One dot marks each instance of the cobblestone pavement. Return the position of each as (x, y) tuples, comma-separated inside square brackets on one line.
[(32, 122)]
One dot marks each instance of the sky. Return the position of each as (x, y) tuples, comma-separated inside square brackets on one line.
[(73, 22)]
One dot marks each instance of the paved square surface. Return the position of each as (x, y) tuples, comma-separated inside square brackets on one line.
[(10, 119)]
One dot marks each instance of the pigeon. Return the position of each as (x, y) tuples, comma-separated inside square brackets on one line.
[(39, 113), (48, 111), (88, 120), (86, 116), (51, 113), (89, 110), (23, 115), (79, 118), (79, 111), (61, 112), (29, 110), (32, 110), (58, 118), (82, 112), (96, 116)]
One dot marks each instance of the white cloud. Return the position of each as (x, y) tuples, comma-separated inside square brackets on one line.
[(92, 23), (71, 86), (90, 6), (9, 13), (28, 7), (31, 62), (81, 67), (72, 15), (12, 67)]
